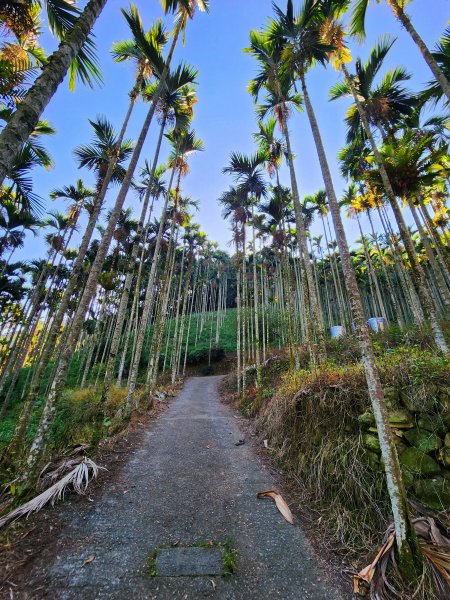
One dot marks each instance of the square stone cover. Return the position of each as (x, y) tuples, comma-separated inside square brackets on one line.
[(178, 562)]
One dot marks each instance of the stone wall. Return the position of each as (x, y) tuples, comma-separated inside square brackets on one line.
[(420, 420)]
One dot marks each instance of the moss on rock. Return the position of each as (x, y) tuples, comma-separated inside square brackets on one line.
[(423, 440), (371, 442), (401, 419), (433, 423), (434, 492), (418, 463)]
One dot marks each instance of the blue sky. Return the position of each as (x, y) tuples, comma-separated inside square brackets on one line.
[(224, 117)]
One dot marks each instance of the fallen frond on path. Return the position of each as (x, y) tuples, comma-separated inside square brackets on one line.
[(280, 503), (77, 479)]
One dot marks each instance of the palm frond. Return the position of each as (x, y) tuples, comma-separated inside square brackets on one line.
[(339, 90), (77, 479), (358, 19)]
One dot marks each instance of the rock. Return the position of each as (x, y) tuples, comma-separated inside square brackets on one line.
[(401, 419), (366, 420), (432, 423), (423, 440), (447, 440), (419, 463), (444, 456), (434, 492), (371, 442), (415, 400)]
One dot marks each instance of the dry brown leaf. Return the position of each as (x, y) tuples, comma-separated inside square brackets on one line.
[(279, 503), (88, 561), (365, 576)]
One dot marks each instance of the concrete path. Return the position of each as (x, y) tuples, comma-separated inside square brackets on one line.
[(188, 482)]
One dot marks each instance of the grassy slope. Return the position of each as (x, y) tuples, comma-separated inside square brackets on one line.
[(78, 407)]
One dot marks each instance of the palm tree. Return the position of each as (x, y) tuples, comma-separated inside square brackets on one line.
[(97, 157), (76, 46), (280, 101), (272, 146), (398, 8), (184, 143), (360, 202), (15, 223), (146, 58), (145, 53), (21, 55), (411, 168), (434, 92), (318, 202), (278, 210), (349, 85), (18, 187), (174, 106), (78, 195), (385, 104), (247, 172), (302, 37), (234, 205)]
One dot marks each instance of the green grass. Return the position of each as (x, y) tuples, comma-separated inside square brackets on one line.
[(72, 413)]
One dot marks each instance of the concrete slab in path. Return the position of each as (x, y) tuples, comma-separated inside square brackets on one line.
[(187, 483)]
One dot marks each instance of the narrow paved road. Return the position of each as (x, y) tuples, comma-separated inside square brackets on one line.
[(187, 482)]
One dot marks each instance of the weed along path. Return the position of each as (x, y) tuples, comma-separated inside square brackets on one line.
[(181, 513)]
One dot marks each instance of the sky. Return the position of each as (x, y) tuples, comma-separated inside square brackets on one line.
[(224, 116)]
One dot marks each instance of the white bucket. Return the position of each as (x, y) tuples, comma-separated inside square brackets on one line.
[(337, 331), (373, 324)]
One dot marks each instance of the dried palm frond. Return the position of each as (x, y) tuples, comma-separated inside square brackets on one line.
[(58, 468), (434, 538), (78, 479)]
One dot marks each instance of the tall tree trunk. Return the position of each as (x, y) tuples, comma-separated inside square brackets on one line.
[(109, 372), (372, 274), (256, 310), (399, 12), (91, 284), (395, 307), (158, 331), (24, 120), (148, 303), (238, 325), (435, 268), (406, 540), (417, 270), (441, 249), (49, 347), (313, 304)]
